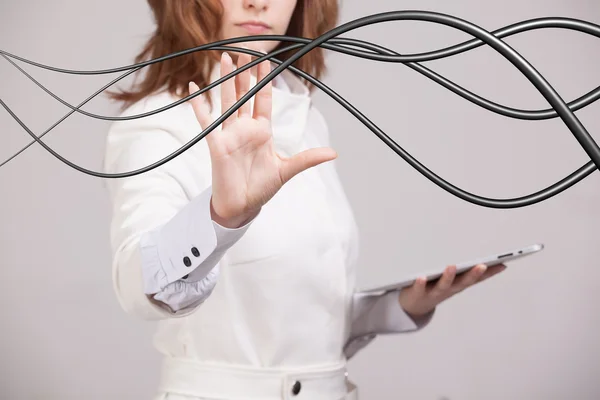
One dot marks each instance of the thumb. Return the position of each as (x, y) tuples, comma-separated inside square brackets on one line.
[(302, 161)]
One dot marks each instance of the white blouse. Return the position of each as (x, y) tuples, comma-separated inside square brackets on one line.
[(277, 292)]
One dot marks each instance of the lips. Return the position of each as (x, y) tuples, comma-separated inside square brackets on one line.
[(254, 27)]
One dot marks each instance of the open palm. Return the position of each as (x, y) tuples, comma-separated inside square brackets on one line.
[(246, 170)]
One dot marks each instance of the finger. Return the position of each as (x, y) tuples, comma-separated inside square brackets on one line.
[(290, 167), (242, 83), (491, 271), (420, 287), (228, 98), (262, 101), (201, 109), (442, 287), (471, 277)]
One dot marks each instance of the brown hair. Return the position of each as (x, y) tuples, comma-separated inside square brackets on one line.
[(184, 24)]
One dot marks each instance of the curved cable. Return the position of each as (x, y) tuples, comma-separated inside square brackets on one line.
[(566, 23), (553, 98)]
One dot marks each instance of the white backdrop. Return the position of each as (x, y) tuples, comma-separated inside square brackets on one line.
[(527, 334)]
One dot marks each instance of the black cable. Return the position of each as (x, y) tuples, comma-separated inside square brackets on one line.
[(565, 23), (56, 97), (557, 103)]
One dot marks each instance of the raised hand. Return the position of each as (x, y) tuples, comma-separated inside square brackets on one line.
[(246, 170)]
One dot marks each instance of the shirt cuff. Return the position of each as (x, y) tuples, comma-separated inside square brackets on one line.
[(226, 237), (187, 246), (382, 313), (187, 239), (393, 319), (182, 295)]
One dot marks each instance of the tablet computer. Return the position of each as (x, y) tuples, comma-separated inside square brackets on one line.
[(495, 259)]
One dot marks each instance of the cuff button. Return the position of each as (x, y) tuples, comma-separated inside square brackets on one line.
[(187, 261), (296, 388), (195, 252)]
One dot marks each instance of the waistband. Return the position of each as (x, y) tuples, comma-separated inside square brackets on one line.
[(194, 378)]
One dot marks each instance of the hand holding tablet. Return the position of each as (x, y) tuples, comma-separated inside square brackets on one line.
[(422, 293), (496, 259)]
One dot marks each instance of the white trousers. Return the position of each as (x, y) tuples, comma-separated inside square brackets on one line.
[(183, 379)]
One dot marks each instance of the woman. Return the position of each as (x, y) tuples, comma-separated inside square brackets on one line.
[(244, 247)]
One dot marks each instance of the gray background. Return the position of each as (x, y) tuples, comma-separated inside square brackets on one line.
[(528, 334)]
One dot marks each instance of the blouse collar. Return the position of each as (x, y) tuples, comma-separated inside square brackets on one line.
[(291, 104)]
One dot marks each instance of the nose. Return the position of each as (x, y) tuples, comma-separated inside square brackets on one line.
[(257, 4)]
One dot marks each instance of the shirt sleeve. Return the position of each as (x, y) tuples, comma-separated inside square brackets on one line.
[(190, 290), (378, 313), (165, 247)]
